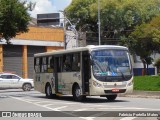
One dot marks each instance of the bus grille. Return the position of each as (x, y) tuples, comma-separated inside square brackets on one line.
[(113, 86)]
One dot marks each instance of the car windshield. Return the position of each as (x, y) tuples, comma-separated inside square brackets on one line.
[(111, 63)]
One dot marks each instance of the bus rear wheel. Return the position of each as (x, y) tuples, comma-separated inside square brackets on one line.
[(48, 91), (111, 97), (77, 93)]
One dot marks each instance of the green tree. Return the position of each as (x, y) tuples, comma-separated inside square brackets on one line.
[(124, 21), (145, 40), (13, 18), (80, 14), (157, 64), (118, 17)]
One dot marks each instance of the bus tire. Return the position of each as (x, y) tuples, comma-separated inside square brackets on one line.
[(48, 91), (111, 97), (77, 93)]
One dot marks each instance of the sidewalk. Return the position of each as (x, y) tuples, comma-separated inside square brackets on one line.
[(143, 94)]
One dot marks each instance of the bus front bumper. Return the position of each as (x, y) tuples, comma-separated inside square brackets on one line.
[(96, 91)]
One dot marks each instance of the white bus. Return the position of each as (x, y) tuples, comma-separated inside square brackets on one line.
[(104, 71)]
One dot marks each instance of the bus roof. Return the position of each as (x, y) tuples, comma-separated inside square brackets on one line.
[(89, 47)]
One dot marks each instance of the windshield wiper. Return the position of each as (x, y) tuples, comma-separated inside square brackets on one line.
[(99, 66), (121, 73)]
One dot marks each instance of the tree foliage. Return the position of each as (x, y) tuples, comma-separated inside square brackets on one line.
[(79, 13), (135, 23), (145, 40), (13, 18), (157, 64), (117, 16)]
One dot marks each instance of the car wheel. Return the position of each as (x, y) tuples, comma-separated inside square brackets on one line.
[(111, 97), (27, 87), (77, 93), (48, 91)]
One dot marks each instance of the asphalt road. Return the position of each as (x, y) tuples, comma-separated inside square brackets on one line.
[(34, 104)]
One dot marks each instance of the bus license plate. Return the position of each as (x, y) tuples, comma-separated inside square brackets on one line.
[(115, 90)]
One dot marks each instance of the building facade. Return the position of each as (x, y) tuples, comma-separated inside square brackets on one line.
[(18, 56)]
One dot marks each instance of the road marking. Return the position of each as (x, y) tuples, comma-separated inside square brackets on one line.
[(128, 118), (47, 105), (80, 109), (87, 118), (124, 108), (29, 100), (154, 109), (41, 102), (105, 105), (70, 103), (53, 109), (33, 103), (38, 101), (58, 108), (3, 96)]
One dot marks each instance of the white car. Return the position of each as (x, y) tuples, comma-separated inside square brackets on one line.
[(8, 80)]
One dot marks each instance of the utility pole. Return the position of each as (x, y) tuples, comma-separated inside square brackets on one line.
[(74, 30), (64, 27), (99, 24)]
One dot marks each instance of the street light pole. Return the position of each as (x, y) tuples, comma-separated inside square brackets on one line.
[(65, 46), (99, 24)]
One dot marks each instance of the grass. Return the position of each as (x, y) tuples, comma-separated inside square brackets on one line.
[(147, 83)]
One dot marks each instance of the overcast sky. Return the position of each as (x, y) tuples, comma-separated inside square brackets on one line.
[(48, 6)]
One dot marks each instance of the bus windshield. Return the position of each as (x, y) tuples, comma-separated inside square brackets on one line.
[(110, 64)]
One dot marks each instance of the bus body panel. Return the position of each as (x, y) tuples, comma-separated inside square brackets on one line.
[(66, 81), (41, 81)]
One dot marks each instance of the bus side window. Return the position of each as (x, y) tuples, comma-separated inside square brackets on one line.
[(76, 62), (51, 62), (67, 63), (44, 65), (37, 65)]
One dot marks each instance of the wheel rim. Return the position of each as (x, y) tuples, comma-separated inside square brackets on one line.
[(27, 87), (78, 92)]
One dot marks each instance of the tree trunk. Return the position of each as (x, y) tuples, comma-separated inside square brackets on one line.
[(147, 70), (144, 66)]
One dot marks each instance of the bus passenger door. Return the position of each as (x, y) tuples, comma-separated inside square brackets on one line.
[(86, 72)]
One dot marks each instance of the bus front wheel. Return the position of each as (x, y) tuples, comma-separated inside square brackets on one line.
[(111, 97), (77, 93), (48, 91)]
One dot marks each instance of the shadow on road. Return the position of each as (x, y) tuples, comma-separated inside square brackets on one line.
[(13, 90), (87, 100), (35, 94)]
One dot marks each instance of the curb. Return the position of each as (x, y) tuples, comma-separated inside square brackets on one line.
[(139, 96), (142, 94)]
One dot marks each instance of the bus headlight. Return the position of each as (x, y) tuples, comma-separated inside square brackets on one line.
[(96, 84), (130, 83)]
